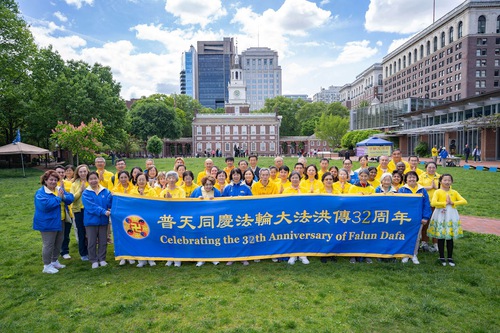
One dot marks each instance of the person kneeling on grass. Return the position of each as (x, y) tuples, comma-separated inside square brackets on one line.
[(97, 202), (47, 219)]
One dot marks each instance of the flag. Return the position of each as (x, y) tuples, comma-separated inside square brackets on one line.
[(18, 137)]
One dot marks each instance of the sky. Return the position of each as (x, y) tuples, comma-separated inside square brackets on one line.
[(319, 43)]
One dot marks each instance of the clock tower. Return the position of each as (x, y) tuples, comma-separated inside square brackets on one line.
[(237, 90)]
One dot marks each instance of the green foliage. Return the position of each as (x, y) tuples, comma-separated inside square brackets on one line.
[(155, 145), (154, 116), (350, 139), (332, 129), (82, 140), (422, 149), (287, 108), (16, 55)]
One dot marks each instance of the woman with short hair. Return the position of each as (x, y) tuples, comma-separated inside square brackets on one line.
[(47, 219)]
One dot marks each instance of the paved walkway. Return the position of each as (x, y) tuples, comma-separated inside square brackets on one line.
[(481, 225)]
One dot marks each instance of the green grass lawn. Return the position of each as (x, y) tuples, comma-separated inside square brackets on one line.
[(262, 297)]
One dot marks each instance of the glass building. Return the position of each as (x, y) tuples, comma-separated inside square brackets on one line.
[(188, 73), (214, 66)]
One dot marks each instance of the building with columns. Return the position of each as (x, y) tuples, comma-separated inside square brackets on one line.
[(368, 87), (330, 95)]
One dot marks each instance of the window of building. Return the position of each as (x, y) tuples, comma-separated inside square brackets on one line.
[(263, 129), (498, 24), (428, 48), (481, 24), (460, 29), (262, 146), (495, 83), (217, 130), (272, 146), (272, 130), (243, 130), (235, 130), (199, 147), (227, 130), (497, 62), (227, 146), (435, 44), (198, 130), (482, 41), (497, 72), (443, 37), (208, 130), (450, 35), (253, 130), (253, 147), (480, 84)]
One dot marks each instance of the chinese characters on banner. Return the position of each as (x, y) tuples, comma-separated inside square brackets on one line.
[(265, 227)]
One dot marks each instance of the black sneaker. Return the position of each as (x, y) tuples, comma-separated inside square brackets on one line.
[(442, 261), (451, 262)]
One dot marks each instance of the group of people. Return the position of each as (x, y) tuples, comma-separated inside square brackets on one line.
[(85, 197)]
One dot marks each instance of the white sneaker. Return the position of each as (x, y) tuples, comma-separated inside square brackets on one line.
[(200, 263), (151, 263), (415, 260), (404, 260), (229, 263), (95, 265), (57, 265), (66, 256), (141, 263), (123, 262), (103, 263), (245, 263), (215, 263), (256, 260), (304, 260), (49, 269), (275, 260), (169, 263), (131, 262), (177, 263), (292, 260)]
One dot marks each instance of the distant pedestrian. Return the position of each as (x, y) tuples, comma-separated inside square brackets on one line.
[(467, 153), (443, 155), (476, 153)]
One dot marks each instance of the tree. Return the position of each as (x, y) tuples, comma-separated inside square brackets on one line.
[(152, 116), (332, 129), (17, 48), (287, 108), (350, 139), (155, 145), (82, 140), (337, 109)]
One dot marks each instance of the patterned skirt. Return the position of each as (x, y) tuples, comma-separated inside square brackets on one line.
[(445, 224)]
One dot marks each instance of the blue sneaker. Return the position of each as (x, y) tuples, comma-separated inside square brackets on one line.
[(85, 258)]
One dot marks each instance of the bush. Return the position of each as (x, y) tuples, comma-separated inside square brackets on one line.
[(422, 149)]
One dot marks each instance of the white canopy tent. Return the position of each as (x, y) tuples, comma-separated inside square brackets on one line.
[(22, 148)]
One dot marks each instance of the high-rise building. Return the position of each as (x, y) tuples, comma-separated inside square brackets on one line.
[(457, 56), (262, 75), (214, 65), (330, 95), (367, 88), (189, 73)]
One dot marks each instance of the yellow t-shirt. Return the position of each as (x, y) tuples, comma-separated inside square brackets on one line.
[(339, 189), (176, 193), (259, 189)]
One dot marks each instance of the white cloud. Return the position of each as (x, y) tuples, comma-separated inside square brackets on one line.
[(79, 3), (397, 43), (61, 16), (404, 16), (274, 28), (202, 12), (354, 52), (324, 2)]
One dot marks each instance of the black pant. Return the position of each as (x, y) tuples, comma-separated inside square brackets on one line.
[(82, 234)]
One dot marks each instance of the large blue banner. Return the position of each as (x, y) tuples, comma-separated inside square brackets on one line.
[(245, 228)]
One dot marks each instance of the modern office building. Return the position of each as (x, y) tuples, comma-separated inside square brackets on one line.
[(262, 75), (295, 97), (330, 95), (214, 65), (367, 88), (189, 73), (456, 57)]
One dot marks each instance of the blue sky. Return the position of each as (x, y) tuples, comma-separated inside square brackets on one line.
[(320, 43)]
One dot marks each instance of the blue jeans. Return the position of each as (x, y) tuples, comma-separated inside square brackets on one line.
[(82, 234)]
